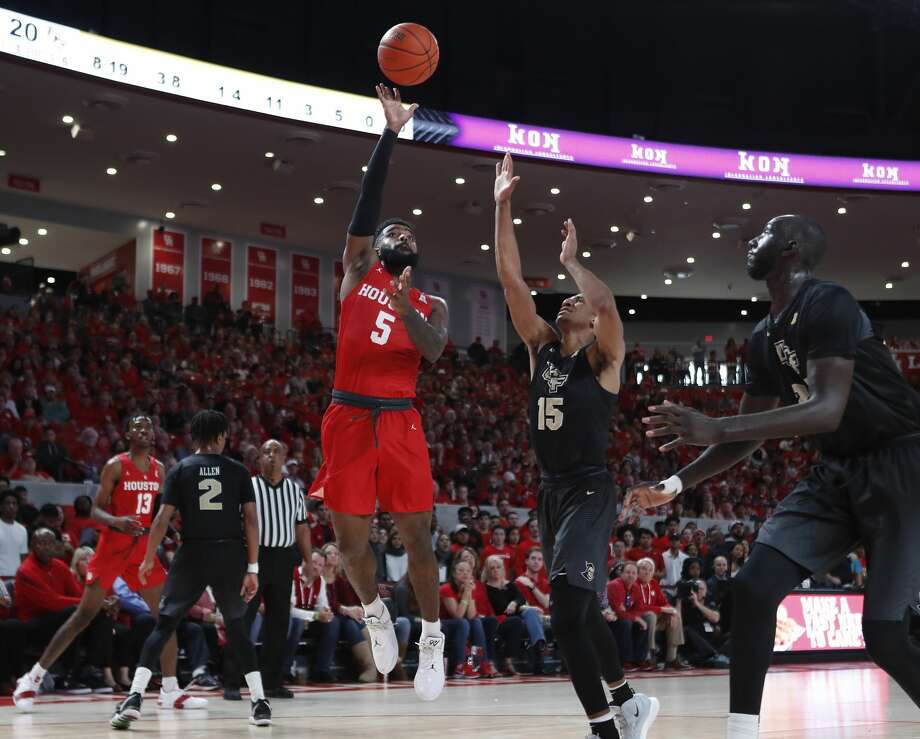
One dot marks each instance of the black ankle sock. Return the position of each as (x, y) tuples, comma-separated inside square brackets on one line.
[(622, 694), (605, 730)]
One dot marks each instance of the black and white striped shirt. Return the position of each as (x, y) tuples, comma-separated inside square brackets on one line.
[(280, 509)]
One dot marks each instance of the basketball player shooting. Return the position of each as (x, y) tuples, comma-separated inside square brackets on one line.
[(125, 504), (816, 355), (372, 437), (574, 381)]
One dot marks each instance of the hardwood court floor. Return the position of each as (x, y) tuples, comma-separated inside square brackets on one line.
[(817, 701)]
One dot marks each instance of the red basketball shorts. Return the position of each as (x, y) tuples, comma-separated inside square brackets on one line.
[(361, 468), (120, 555)]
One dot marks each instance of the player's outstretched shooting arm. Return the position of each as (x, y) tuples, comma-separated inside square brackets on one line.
[(533, 330), (610, 349), (359, 241)]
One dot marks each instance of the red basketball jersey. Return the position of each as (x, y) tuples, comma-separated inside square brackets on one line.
[(375, 356), (136, 492)]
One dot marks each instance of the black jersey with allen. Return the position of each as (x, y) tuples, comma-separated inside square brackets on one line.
[(824, 320), (569, 412)]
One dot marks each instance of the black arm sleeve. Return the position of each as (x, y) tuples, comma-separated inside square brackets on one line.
[(367, 211)]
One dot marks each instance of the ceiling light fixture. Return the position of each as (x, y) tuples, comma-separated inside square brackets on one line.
[(586, 254), (716, 235), (905, 264), (23, 241), (51, 280), (743, 312), (533, 292), (459, 181), (2, 152), (753, 298), (172, 138), (318, 200), (668, 281), (614, 229), (644, 296), (111, 171), (745, 206), (841, 211), (484, 247), (364, 168), (632, 311), (6, 251), (217, 187), (691, 260), (888, 285), (648, 199), (170, 214), (269, 154), (416, 211), (554, 191), (561, 275), (42, 232), (516, 221), (68, 119)]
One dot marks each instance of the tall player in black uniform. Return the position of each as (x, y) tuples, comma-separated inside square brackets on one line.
[(815, 354), (575, 378), (213, 494)]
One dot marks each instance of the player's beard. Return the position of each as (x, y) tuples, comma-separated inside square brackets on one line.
[(395, 260)]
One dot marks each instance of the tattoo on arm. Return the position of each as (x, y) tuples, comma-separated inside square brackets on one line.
[(428, 336)]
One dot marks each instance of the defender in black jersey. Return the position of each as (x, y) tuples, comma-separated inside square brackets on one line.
[(575, 378), (220, 535), (816, 355)]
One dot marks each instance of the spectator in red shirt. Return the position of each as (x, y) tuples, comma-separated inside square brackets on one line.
[(672, 527), (645, 550), (460, 538), (463, 597), (82, 522), (499, 548), (483, 527), (534, 583), (629, 628), (660, 615)]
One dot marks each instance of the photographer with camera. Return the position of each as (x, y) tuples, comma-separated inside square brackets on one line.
[(701, 616)]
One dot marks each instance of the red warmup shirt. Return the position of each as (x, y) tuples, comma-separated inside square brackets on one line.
[(44, 588), (375, 356), (541, 584), (480, 598), (650, 597), (635, 554), (625, 603)]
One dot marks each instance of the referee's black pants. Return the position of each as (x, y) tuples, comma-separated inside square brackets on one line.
[(276, 576)]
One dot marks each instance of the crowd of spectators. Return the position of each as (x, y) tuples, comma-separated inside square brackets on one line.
[(73, 368)]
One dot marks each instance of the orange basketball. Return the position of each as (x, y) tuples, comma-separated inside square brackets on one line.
[(408, 54)]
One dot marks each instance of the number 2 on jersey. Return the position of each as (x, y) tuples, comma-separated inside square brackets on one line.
[(549, 414), (384, 323), (212, 488)]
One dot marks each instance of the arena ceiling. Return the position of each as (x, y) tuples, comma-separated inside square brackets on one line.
[(126, 129)]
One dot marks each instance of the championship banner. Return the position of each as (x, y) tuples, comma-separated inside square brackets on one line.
[(169, 262), (304, 289), (437, 286), (261, 282), (909, 361), (339, 274), (115, 269), (216, 267), (483, 308), (821, 622)]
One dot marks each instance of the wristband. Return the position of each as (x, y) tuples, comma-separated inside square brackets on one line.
[(252, 568), (673, 485)]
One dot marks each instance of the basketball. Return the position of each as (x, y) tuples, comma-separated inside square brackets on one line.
[(408, 54)]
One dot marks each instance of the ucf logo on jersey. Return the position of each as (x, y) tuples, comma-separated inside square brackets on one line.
[(553, 377), (786, 355)]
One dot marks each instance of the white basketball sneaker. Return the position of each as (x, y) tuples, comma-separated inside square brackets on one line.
[(383, 641), (180, 700), (636, 716), (24, 695), (429, 679)]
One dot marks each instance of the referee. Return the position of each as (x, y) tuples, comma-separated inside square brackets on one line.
[(282, 515)]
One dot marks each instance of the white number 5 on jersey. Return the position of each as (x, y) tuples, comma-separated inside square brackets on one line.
[(385, 324)]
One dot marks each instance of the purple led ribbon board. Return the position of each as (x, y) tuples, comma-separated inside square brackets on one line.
[(656, 158)]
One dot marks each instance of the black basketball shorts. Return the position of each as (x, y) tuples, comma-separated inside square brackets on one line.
[(872, 499), (220, 565), (576, 516)]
